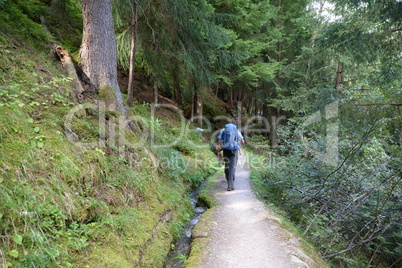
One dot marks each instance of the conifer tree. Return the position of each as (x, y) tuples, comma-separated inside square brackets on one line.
[(188, 42), (126, 18), (98, 49)]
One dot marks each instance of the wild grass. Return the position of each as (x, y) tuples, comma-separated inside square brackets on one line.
[(63, 204), (64, 200), (84, 200)]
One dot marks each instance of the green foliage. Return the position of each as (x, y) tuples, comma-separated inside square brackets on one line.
[(19, 20), (65, 201), (179, 33), (53, 212), (63, 204), (27, 83), (258, 143), (340, 206), (13, 94), (64, 21)]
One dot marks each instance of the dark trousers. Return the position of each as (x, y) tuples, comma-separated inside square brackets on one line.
[(230, 159)]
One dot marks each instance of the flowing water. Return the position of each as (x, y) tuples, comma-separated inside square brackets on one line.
[(176, 256)]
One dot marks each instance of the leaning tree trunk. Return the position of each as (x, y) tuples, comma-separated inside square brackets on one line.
[(67, 63), (98, 50)]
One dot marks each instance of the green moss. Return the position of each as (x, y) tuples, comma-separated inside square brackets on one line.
[(111, 254), (85, 129), (107, 94), (200, 241), (87, 186), (78, 199), (201, 230)]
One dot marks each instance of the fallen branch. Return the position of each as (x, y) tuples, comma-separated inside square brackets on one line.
[(67, 62), (380, 104), (396, 29), (351, 247)]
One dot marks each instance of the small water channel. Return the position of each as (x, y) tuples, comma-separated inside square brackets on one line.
[(176, 256)]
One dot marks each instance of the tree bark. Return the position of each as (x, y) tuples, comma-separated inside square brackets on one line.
[(176, 86), (338, 77), (134, 23), (231, 97), (67, 63), (396, 29), (98, 49), (279, 27), (273, 116), (156, 91), (198, 106), (239, 112), (257, 110), (313, 40), (380, 104)]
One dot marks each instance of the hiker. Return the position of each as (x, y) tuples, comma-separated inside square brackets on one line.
[(229, 139)]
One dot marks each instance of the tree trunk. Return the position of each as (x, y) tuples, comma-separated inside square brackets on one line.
[(67, 63), (313, 40), (231, 97), (273, 116), (98, 49), (199, 109), (279, 27), (257, 110), (197, 106), (273, 135), (156, 91), (134, 23), (251, 106), (239, 112), (266, 115), (338, 77), (176, 86), (193, 106)]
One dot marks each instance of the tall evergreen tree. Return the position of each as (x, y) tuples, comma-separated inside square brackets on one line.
[(98, 49), (126, 17), (271, 36)]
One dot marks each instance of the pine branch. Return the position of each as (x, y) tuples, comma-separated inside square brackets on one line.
[(351, 247)]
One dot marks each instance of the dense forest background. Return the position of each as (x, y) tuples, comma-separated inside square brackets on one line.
[(314, 85)]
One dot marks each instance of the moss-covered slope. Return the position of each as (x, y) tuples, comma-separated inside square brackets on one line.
[(77, 187)]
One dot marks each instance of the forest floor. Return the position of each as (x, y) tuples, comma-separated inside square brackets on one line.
[(242, 232)]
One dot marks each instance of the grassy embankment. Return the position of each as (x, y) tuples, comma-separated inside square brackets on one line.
[(78, 189)]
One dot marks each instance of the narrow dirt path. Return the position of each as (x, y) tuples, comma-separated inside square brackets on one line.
[(244, 233)]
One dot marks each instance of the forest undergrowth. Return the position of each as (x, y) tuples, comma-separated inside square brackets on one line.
[(317, 97), (77, 187), (339, 183)]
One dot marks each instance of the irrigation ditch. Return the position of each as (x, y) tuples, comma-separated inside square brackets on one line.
[(181, 251)]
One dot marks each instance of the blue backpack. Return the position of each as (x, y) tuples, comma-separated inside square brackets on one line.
[(229, 137)]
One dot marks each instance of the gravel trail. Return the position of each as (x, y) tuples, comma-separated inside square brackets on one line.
[(244, 233)]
